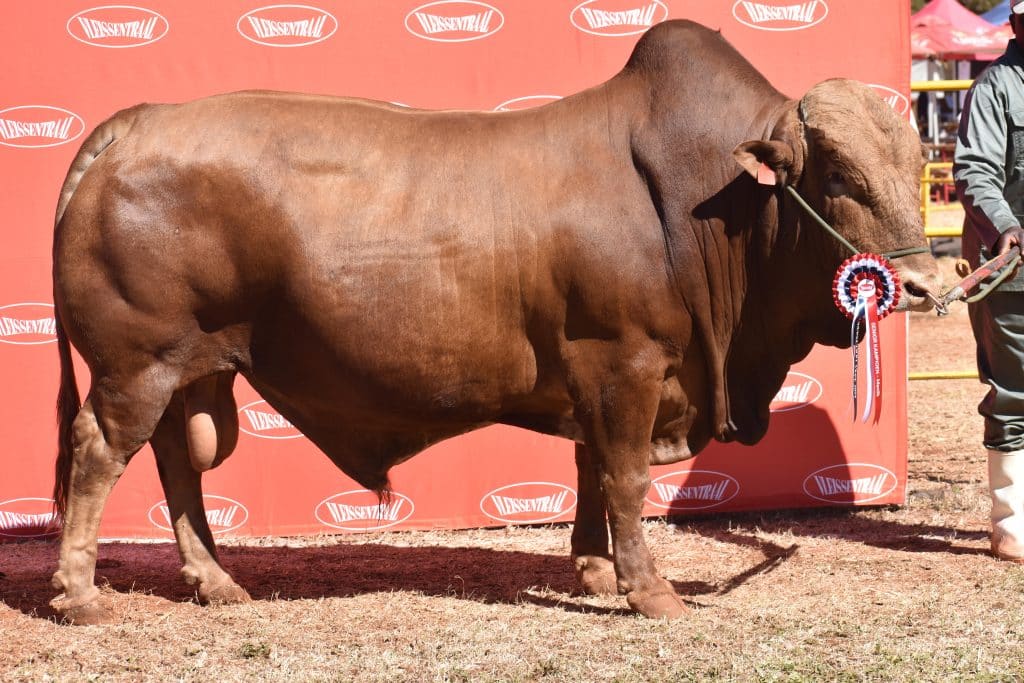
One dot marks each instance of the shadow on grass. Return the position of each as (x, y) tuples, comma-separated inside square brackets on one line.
[(478, 574), (341, 570), (848, 524)]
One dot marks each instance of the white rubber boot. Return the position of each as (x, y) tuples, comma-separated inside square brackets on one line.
[(1006, 486)]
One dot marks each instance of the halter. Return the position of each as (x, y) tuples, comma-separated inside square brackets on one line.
[(842, 240)]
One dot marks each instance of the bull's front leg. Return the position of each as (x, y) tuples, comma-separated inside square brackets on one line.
[(590, 556), (617, 394)]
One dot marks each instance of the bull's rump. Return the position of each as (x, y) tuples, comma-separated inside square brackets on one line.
[(350, 245)]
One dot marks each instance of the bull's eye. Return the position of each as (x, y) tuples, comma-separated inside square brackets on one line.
[(835, 184)]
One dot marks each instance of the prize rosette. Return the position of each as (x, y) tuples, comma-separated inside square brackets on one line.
[(867, 288), (866, 267)]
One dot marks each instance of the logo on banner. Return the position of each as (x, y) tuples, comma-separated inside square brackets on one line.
[(222, 514), (260, 420), (850, 483), (780, 16), (39, 125), (798, 391), (454, 21), (117, 26), (618, 17), (287, 25), (527, 102), (895, 99), (27, 324), (361, 510), (28, 518), (528, 502), (692, 490)]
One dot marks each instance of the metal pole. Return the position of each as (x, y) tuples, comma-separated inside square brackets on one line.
[(951, 374)]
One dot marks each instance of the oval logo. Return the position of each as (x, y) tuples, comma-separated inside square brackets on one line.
[(287, 25), (222, 514), (28, 518), (527, 102), (851, 483), (897, 100), (39, 125), (780, 16), (27, 324), (454, 21), (117, 26), (692, 490), (528, 502), (798, 391), (360, 510), (617, 17), (260, 420)]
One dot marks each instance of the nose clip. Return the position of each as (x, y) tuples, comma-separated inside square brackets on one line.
[(941, 308)]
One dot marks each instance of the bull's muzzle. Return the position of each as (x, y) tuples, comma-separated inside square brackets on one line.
[(921, 287)]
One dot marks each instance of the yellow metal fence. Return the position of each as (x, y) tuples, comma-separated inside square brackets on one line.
[(938, 173)]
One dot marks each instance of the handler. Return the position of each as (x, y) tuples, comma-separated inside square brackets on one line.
[(989, 172)]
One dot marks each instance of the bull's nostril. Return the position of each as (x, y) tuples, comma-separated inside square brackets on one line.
[(914, 290)]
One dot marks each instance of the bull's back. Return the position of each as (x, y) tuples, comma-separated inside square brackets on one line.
[(406, 247)]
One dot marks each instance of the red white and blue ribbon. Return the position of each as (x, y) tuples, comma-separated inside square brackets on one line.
[(866, 288)]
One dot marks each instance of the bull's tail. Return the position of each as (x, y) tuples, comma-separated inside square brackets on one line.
[(68, 400), (68, 404)]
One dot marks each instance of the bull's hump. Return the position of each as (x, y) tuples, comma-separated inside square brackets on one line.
[(686, 52)]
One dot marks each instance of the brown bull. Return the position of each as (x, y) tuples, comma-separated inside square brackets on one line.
[(599, 268)]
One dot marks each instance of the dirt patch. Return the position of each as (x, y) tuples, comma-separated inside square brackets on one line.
[(879, 594)]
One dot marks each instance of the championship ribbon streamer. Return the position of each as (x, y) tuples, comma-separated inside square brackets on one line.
[(866, 288)]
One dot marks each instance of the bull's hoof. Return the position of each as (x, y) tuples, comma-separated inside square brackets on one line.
[(596, 575), (223, 594), (658, 602), (82, 611)]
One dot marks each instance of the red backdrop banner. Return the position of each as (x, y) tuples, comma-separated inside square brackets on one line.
[(69, 65)]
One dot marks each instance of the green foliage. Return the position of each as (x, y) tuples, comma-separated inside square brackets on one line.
[(979, 6), (976, 6)]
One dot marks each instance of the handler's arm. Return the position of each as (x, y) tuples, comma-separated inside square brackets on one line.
[(979, 164)]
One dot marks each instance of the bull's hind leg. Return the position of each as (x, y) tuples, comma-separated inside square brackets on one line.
[(594, 569), (182, 484), (116, 419)]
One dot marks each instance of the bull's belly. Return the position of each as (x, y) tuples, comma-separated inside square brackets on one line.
[(380, 367), (371, 401)]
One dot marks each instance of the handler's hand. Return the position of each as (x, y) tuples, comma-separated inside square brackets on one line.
[(1014, 237)]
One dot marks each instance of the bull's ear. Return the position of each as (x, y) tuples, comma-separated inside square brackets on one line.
[(764, 159)]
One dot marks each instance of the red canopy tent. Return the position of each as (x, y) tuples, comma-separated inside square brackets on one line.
[(948, 30)]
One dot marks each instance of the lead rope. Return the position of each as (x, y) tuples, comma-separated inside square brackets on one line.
[(1003, 266)]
